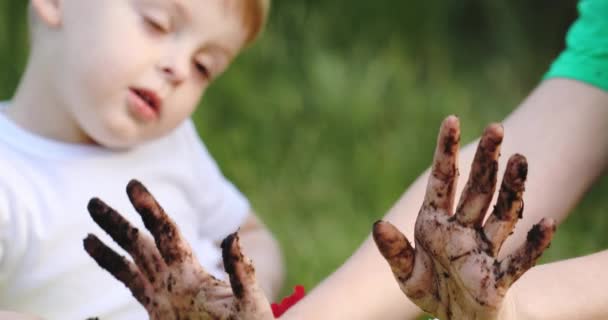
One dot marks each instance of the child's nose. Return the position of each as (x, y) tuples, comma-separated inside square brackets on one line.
[(173, 70), (173, 75)]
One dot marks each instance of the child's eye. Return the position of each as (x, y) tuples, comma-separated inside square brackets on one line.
[(156, 25), (157, 19), (203, 70)]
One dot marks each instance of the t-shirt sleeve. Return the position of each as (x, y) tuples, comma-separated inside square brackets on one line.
[(586, 55), (223, 207)]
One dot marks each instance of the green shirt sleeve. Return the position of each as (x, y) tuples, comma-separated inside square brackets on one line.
[(586, 55)]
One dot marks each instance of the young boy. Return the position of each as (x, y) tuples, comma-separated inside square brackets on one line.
[(106, 97)]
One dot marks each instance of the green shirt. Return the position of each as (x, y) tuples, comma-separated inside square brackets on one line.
[(586, 55)]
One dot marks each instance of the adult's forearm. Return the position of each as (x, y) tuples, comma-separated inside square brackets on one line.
[(362, 289), (569, 289), (559, 127)]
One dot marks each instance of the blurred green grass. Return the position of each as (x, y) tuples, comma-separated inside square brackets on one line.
[(328, 118)]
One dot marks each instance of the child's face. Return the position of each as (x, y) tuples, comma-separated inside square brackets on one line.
[(132, 70)]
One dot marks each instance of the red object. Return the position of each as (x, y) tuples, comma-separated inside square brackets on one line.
[(279, 308)]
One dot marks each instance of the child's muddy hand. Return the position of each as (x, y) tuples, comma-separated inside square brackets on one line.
[(165, 276), (453, 272)]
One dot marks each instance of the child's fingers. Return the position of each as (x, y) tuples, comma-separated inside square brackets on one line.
[(238, 267), (514, 266), (442, 180), (121, 268), (251, 300), (510, 205), (139, 246), (395, 248), (479, 190), (173, 248)]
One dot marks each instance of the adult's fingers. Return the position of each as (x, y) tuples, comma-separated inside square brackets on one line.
[(251, 301), (172, 246), (139, 246), (395, 248), (121, 268), (510, 205), (444, 173), (479, 190), (514, 266)]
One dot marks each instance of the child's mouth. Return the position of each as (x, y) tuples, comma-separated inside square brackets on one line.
[(144, 103)]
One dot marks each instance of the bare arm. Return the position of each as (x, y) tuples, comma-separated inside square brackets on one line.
[(580, 292), (263, 249), (560, 126), (5, 315)]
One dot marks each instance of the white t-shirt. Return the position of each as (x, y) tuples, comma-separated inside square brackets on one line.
[(45, 186)]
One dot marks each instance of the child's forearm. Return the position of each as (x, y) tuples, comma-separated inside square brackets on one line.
[(263, 249), (569, 289)]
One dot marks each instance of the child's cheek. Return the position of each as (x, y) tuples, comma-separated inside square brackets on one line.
[(106, 74), (110, 55)]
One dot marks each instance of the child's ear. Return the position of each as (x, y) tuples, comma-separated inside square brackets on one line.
[(48, 11)]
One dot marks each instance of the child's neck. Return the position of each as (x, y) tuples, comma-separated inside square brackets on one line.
[(36, 108)]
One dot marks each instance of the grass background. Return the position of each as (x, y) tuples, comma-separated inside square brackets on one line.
[(327, 119)]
